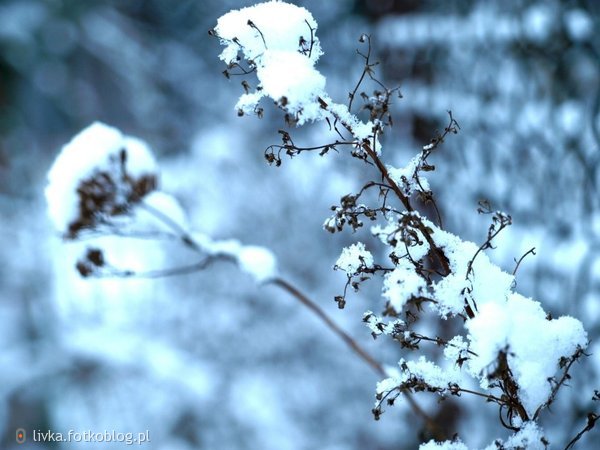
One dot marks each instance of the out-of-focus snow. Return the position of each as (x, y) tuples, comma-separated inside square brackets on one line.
[(95, 149), (160, 211), (259, 262), (579, 24), (538, 21)]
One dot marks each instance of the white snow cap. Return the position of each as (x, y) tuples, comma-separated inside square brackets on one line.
[(504, 321), (99, 148), (279, 39), (259, 262), (446, 445), (401, 284), (404, 177), (535, 344), (353, 258), (280, 24), (530, 437), (425, 370)]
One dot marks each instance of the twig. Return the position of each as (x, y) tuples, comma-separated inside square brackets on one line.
[(162, 273), (503, 221), (592, 418), (565, 364), (396, 189), (187, 240), (530, 251), (363, 354), (366, 68), (184, 236), (252, 25), (295, 292), (312, 38)]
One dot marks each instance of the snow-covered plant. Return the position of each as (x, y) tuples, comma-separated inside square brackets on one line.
[(96, 176), (505, 348), (501, 347), (106, 183)]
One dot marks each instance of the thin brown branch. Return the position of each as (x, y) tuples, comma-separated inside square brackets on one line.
[(362, 353), (489, 397), (365, 69), (592, 418), (566, 365), (162, 273), (184, 236), (316, 309), (530, 251), (253, 25), (396, 189), (188, 241)]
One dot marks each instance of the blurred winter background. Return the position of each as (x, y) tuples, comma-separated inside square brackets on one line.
[(210, 360)]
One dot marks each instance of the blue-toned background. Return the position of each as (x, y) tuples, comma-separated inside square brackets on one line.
[(210, 360)]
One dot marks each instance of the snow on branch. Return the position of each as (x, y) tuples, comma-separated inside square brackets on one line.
[(105, 183), (96, 176), (278, 41), (529, 437), (508, 345), (516, 354)]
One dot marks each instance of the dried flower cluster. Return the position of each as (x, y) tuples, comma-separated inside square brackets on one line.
[(117, 172)]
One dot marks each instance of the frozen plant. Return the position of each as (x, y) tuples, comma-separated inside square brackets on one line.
[(507, 349), (106, 183), (95, 176)]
